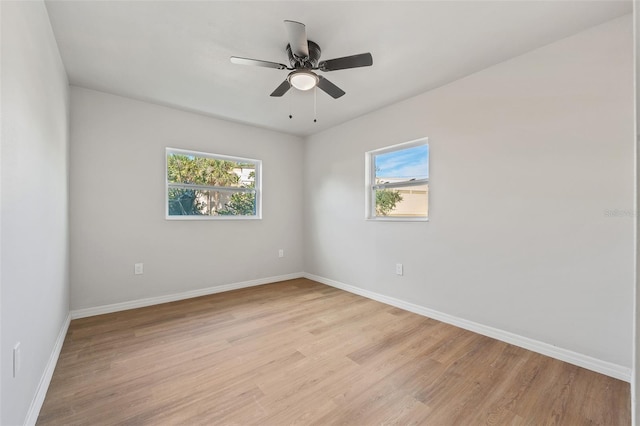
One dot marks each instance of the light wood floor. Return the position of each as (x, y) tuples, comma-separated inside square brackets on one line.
[(299, 352)]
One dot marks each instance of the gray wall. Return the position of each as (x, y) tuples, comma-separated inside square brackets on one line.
[(636, 352), (33, 219), (527, 159), (117, 210)]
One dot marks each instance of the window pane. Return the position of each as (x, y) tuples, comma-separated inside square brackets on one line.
[(411, 201), (196, 170), (402, 165), (211, 203)]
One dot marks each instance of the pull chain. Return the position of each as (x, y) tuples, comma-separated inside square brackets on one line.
[(315, 104)]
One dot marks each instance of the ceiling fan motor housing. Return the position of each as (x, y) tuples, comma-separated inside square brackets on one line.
[(310, 62)]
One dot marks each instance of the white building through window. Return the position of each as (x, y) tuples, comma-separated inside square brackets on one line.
[(211, 186), (398, 182)]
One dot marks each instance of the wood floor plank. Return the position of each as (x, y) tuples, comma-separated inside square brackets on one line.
[(299, 352)]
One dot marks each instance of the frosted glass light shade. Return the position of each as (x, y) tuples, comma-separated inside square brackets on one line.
[(303, 80)]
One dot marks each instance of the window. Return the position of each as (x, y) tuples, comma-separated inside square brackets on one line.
[(211, 186), (398, 182)]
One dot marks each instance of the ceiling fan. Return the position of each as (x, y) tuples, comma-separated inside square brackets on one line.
[(304, 58)]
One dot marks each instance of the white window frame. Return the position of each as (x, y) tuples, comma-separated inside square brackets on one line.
[(371, 186), (257, 190)]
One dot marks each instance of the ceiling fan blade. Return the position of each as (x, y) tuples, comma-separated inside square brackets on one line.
[(257, 63), (297, 38), (354, 61), (332, 90), (282, 89)]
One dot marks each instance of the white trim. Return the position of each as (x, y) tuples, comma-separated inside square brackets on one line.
[(140, 303), (581, 360), (400, 184), (397, 219), (207, 217), (45, 380), (402, 145)]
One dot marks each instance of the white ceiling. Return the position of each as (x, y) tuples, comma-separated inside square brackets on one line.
[(177, 53)]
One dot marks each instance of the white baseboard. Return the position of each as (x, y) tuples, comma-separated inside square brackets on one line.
[(141, 303), (45, 380), (590, 363)]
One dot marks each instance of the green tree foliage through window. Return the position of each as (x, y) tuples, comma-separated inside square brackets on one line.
[(209, 186), (241, 203), (386, 200), (184, 202)]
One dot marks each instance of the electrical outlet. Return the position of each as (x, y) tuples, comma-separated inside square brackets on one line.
[(17, 359), (398, 268), (138, 268), (281, 253)]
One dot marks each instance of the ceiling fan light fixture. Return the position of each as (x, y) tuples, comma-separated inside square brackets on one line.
[(303, 79), (304, 58)]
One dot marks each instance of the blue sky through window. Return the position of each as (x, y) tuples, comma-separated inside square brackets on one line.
[(409, 163)]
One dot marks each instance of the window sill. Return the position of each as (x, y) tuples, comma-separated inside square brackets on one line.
[(214, 218), (397, 219)]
